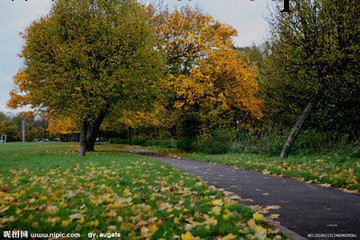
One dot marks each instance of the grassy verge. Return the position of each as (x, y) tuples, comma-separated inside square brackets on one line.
[(46, 187), (335, 170)]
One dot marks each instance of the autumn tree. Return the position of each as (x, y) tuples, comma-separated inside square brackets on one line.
[(206, 80), (313, 62), (86, 59)]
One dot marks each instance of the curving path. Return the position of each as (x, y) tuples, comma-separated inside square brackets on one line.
[(310, 210)]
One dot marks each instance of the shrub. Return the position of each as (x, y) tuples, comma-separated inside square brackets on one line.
[(166, 143), (187, 144), (309, 141), (219, 142)]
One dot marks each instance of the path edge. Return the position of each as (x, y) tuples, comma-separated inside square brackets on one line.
[(287, 232)]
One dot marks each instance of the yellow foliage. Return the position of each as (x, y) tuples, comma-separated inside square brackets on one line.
[(220, 83), (63, 125)]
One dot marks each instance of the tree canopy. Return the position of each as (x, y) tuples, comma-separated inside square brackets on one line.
[(86, 59), (313, 64)]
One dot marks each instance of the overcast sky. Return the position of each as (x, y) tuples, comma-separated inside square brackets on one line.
[(248, 17)]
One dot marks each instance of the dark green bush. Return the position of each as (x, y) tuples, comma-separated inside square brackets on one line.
[(166, 143), (219, 142), (118, 141), (213, 146), (309, 141), (187, 144)]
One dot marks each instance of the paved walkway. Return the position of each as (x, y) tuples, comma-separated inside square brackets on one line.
[(304, 208)]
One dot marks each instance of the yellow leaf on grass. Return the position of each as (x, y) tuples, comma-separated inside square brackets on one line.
[(126, 192), (211, 221), (53, 220), (187, 236), (18, 212), (228, 237), (251, 223), (258, 216), (43, 198), (76, 216), (116, 205), (106, 198), (52, 209), (153, 228), (145, 232), (4, 209), (260, 230), (94, 201), (65, 223), (227, 214), (94, 223), (216, 210), (217, 202)]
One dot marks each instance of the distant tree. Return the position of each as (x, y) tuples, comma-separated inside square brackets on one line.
[(35, 126), (87, 59), (9, 128)]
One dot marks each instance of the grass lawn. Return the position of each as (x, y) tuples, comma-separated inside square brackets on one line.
[(46, 188), (335, 170)]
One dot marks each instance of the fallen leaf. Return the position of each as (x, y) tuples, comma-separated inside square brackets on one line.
[(260, 230), (188, 236), (228, 237), (153, 228), (94, 223), (145, 232), (217, 202), (211, 221), (52, 209), (258, 216), (216, 210), (251, 223), (274, 216), (76, 216), (4, 209), (65, 223), (272, 207)]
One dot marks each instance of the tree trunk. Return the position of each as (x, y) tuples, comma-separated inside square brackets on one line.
[(88, 134), (82, 147), (296, 128)]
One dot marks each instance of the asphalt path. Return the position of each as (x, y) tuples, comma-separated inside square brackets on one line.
[(310, 210)]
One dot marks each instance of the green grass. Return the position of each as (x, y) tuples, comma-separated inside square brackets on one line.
[(46, 187), (342, 171)]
